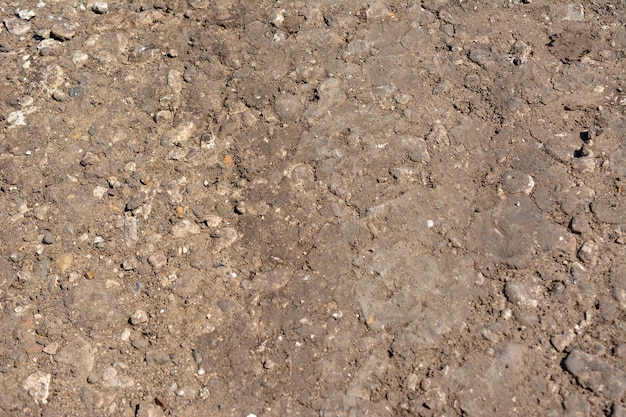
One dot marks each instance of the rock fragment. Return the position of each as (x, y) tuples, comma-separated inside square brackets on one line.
[(38, 386), (588, 253), (16, 26), (517, 182), (100, 7), (597, 375), (79, 354), (63, 31)]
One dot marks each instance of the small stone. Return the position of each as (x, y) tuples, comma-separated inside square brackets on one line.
[(59, 95), (49, 47), (561, 341), (138, 317), (140, 343), (523, 294), (155, 357), (79, 354), (579, 224), (576, 405), (25, 14), (100, 7), (411, 382), (157, 261), (79, 58), (109, 374), (516, 182), (89, 158), (130, 264), (185, 228), (64, 261), (146, 409), (588, 253), (593, 373), (226, 305), (52, 348), (38, 386), (63, 31), (16, 26), (75, 91), (48, 239)]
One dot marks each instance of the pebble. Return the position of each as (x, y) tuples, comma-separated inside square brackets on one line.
[(140, 343), (517, 182), (523, 294), (130, 231), (138, 317), (25, 14), (79, 354), (48, 238), (48, 47), (563, 340), (588, 253), (38, 386), (593, 373), (226, 305), (16, 26), (185, 228), (146, 409), (59, 95), (63, 31), (79, 58), (100, 7), (75, 91), (64, 261), (579, 224), (52, 348), (157, 261), (156, 357)]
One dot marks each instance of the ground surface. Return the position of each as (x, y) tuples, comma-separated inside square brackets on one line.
[(324, 208)]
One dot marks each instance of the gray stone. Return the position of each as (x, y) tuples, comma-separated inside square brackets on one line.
[(16, 26), (48, 239), (157, 261), (138, 317), (524, 293), (100, 7), (597, 375), (588, 253), (156, 357), (516, 182), (63, 31), (563, 340), (618, 287), (79, 354), (226, 305), (579, 224), (576, 405), (146, 409)]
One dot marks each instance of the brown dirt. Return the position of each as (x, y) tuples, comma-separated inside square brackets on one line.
[(235, 208)]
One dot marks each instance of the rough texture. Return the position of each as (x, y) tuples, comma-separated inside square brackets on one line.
[(307, 208)]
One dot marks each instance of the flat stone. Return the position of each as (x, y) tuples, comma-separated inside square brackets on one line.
[(138, 317), (185, 228), (79, 354), (16, 26), (593, 373), (63, 31), (516, 182)]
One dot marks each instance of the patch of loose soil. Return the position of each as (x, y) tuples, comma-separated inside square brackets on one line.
[(312, 208)]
